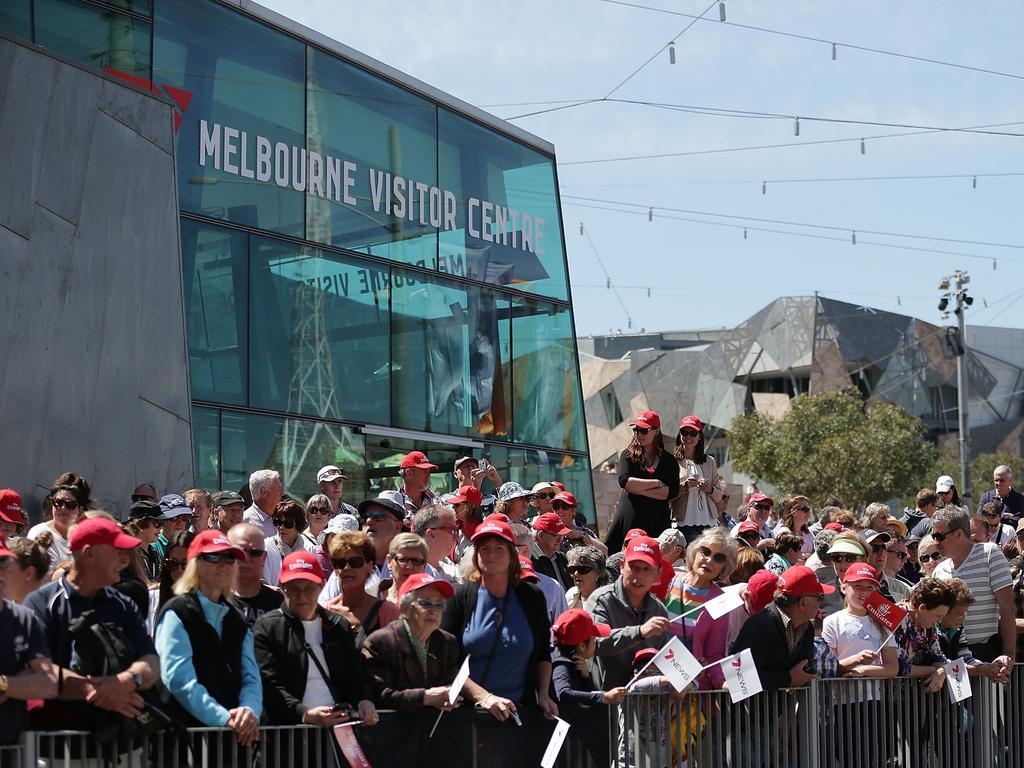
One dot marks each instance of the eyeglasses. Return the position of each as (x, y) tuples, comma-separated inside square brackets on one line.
[(933, 556), (406, 560), (286, 524), (898, 554), (546, 495), (580, 569), (214, 558), (65, 504), (876, 548), (717, 557), (688, 433), (641, 430), (341, 563), (942, 536), (430, 605), (561, 505), (172, 564), (319, 511), (453, 530), (844, 559)]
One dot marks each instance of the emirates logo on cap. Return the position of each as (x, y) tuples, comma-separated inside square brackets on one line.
[(642, 546), (222, 540), (300, 565), (12, 507)]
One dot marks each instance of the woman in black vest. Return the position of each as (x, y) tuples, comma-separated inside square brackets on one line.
[(219, 685)]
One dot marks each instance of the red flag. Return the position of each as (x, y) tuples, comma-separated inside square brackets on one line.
[(346, 739), (885, 612)]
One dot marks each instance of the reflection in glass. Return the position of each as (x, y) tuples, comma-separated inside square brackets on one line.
[(384, 454), (546, 388), (247, 82), (16, 18), (214, 271), (508, 224), (206, 447), (390, 135), (449, 362), (319, 333), (93, 36)]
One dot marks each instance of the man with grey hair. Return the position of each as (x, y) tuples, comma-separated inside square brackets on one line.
[(1012, 500), (989, 627), (672, 544), (554, 593), (435, 524), (265, 487)]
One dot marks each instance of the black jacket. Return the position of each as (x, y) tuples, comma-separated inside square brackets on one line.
[(557, 567), (463, 604), (284, 663), (765, 636)]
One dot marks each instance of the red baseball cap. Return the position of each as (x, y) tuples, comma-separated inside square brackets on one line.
[(494, 525), (758, 497), (632, 533), (644, 655), (526, 569), (210, 543), (799, 580), (647, 419), (761, 589), (550, 522), (417, 459), (10, 506), (468, 493), (301, 565), (420, 580), (576, 626), (100, 530), (833, 527), (861, 572), (749, 526), (565, 496), (692, 422), (645, 550), (558, 485)]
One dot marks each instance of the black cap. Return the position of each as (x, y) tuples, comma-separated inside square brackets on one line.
[(145, 508), (382, 501), (224, 498)]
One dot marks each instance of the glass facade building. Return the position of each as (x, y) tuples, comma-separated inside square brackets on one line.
[(369, 266)]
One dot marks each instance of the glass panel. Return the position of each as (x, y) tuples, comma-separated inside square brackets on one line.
[(296, 448), (546, 390), (529, 467), (384, 454), (447, 356), (214, 268), (16, 18), (389, 136), (508, 229), (206, 446), (94, 36), (320, 330), (241, 142)]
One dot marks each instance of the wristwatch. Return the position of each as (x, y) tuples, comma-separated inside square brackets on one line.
[(4, 684), (137, 679)]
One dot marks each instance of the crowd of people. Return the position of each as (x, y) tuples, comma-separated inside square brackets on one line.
[(236, 612)]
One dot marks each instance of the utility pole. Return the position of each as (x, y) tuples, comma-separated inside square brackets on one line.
[(955, 288)]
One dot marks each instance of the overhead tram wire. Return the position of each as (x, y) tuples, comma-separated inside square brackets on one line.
[(822, 41), (811, 180)]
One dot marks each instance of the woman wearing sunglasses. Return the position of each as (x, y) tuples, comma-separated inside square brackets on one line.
[(353, 558), (171, 569), (694, 509), (65, 505), (587, 571), (796, 517), (846, 549), (318, 513), (709, 559), (289, 519), (206, 650), (928, 555), (649, 477)]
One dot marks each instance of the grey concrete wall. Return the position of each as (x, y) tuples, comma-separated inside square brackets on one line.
[(94, 377)]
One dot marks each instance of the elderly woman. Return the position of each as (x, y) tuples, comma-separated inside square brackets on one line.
[(411, 664), (588, 571), (352, 557), (407, 555), (513, 501), (289, 520), (206, 649), (709, 559), (318, 512), (796, 516), (788, 552), (308, 656), (875, 518), (501, 623)]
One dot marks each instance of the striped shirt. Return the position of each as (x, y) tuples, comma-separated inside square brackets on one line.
[(986, 571)]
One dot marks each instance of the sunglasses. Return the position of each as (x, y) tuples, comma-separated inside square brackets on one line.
[(876, 548), (580, 569), (214, 558), (933, 556), (172, 564), (319, 511), (763, 507), (561, 505), (750, 536), (688, 433), (378, 515), (65, 504), (341, 563), (255, 554), (942, 536), (641, 430), (716, 557), (546, 495), (899, 555), (844, 559), (414, 561), (286, 524), (430, 605), (453, 530)]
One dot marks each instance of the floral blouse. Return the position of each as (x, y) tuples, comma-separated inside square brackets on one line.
[(918, 647)]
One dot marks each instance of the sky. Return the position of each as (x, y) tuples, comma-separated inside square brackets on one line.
[(668, 273)]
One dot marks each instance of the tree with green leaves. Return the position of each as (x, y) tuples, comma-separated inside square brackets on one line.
[(835, 444)]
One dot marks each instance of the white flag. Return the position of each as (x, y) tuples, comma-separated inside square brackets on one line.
[(957, 681), (677, 664), (725, 603), (741, 675), (555, 745), (458, 682)]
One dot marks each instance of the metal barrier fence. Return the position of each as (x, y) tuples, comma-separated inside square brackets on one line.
[(845, 723)]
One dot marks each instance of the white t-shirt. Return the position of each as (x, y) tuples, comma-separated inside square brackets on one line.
[(986, 571), (317, 693), (59, 550), (848, 635)]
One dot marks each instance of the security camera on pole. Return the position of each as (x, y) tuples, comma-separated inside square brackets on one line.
[(958, 280)]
